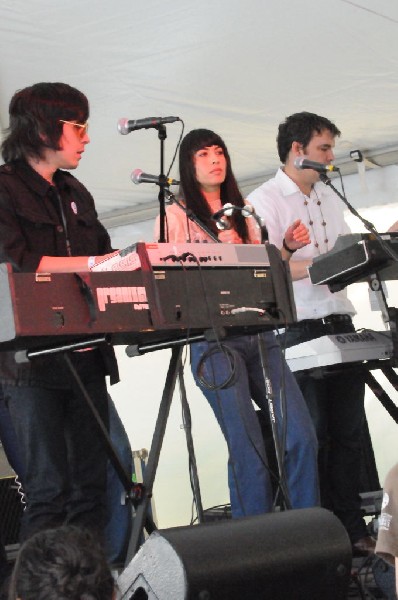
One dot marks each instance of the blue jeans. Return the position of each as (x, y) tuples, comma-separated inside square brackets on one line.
[(248, 475), (10, 444), (64, 456), (119, 525), (9, 440)]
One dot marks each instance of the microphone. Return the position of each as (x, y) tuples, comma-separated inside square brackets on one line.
[(247, 211), (138, 176), (305, 163), (226, 210), (125, 126)]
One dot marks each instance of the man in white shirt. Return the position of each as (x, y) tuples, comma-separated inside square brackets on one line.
[(336, 402)]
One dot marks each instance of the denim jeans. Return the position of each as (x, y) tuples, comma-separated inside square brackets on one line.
[(9, 440), (64, 455), (336, 405), (248, 475), (120, 514)]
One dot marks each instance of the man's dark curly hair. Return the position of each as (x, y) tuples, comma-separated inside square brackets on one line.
[(66, 563), (300, 127)]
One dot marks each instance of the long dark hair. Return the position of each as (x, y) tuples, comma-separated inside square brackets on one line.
[(35, 114), (190, 189)]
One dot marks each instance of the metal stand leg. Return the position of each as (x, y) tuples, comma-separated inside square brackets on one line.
[(193, 471), (113, 457), (270, 399), (380, 394), (157, 441)]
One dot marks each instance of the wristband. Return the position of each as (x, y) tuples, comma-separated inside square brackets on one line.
[(91, 261), (286, 247)]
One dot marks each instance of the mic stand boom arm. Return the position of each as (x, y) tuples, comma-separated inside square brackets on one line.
[(191, 215), (369, 226), (262, 227)]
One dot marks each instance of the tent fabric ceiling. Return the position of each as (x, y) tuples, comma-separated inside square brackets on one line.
[(238, 68)]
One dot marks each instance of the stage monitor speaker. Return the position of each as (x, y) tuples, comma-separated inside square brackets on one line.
[(299, 554)]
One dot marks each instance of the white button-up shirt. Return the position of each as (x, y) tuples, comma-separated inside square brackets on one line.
[(279, 202)]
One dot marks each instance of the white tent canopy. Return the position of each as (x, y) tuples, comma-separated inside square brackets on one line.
[(236, 67)]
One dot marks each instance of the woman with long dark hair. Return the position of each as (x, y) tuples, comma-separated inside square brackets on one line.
[(207, 184)]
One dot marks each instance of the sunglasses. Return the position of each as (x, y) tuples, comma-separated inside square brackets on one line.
[(81, 129)]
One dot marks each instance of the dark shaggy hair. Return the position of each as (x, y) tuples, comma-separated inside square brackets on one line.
[(300, 127), (190, 189), (35, 114), (61, 564)]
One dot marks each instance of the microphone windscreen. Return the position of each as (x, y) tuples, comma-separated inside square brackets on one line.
[(228, 209), (122, 126), (298, 162), (136, 176), (247, 210)]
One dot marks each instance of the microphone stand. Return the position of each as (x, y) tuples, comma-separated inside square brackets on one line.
[(389, 313), (369, 226), (263, 228), (283, 489), (248, 211), (162, 184), (191, 216)]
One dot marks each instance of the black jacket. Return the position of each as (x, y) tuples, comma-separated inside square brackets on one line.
[(33, 225)]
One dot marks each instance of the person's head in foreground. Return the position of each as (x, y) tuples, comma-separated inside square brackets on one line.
[(59, 564)]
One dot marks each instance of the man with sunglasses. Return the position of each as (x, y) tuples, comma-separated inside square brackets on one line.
[(48, 222)]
